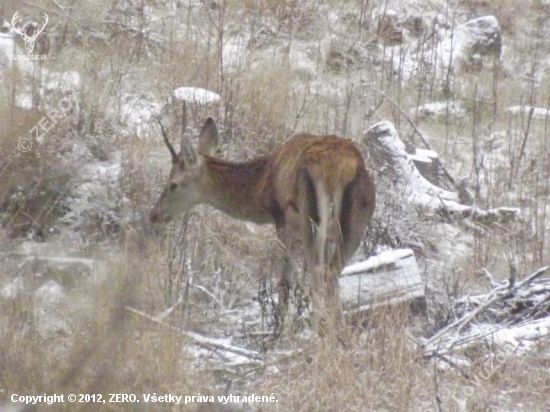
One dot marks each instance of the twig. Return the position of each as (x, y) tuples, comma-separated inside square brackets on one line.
[(211, 295), (202, 341), (167, 312)]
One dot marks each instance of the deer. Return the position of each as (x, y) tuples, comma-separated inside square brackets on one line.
[(315, 190)]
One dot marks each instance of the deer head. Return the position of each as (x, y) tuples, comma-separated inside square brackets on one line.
[(29, 40), (188, 177)]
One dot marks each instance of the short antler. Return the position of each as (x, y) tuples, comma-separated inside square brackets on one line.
[(175, 157)]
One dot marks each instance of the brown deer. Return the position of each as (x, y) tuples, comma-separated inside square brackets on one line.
[(314, 189)]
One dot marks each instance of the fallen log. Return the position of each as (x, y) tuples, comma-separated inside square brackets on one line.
[(390, 278)]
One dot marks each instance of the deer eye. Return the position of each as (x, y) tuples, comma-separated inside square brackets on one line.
[(173, 186)]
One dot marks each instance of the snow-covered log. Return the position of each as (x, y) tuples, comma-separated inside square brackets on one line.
[(419, 191), (390, 278)]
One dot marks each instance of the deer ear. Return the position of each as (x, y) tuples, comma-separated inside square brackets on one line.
[(208, 138), (187, 153)]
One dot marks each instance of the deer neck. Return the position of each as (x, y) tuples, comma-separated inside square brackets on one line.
[(236, 188)]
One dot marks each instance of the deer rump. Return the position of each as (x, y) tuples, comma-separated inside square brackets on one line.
[(319, 193)]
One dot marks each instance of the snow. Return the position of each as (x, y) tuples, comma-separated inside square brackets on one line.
[(538, 112), (91, 195), (423, 155), (13, 289), (440, 109), (383, 259), (50, 292), (65, 82), (196, 95), (522, 337), (6, 47)]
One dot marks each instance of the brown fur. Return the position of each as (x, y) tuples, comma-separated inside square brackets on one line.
[(315, 189)]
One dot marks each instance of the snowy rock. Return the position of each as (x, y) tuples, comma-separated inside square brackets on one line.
[(54, 265), (439, 109), (196, 95), (469, 43), (48, 299), (50, 293)]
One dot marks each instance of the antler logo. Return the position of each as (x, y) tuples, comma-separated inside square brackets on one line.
[(29, 39)]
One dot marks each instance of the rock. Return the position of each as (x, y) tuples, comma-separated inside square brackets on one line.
[(390, 31), (472, 42)]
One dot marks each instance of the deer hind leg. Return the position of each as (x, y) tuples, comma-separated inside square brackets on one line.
[(312, 236), (333, 262), (327, 261)]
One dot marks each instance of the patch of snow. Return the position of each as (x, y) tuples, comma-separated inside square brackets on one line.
[(522, 337), (383, 259), (440, 109), (50, 292), (137, 112), (431, 154), (196, 95), (7, 45), (538, 112), (24, 100), (61, 81), (92, 194), (13, 289)]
